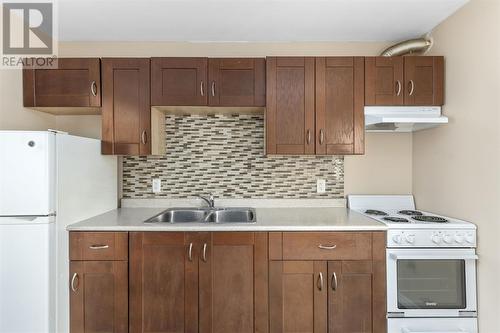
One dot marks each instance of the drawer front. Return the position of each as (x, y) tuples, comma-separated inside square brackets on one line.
[(98, 246), (327, 246)]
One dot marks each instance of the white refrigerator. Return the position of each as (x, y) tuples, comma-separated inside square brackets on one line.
[(47, 180)]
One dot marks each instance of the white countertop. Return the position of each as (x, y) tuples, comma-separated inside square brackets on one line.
[(268, 219)]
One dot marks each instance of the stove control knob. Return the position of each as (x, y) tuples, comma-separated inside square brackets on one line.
[(459, 238), (436, 238), (396, 239), (410, 238), (447, 238), (469, 238)]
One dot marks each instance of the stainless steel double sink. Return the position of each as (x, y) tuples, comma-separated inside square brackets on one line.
[(205, 215)]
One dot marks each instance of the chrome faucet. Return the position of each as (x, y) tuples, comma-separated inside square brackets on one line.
[(210, 200)]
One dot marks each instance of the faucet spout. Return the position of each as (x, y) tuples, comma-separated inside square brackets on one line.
[(210, 200)]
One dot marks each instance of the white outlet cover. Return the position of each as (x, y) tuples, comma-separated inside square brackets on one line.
[(156, 185), (321, 186)]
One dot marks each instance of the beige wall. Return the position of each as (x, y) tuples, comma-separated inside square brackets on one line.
[(456, 168), (386, 167)]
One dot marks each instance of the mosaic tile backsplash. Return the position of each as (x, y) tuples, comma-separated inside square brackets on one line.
[(224, 155)]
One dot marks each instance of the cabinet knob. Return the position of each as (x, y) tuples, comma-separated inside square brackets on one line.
[(190, 252), (411, 84), (93, 88), (204, 254), (320, 281), (308, 137), (74, 287), (334, 281), (321, 136), (213, 88), (398, 88), (202, 92), (144, 137)]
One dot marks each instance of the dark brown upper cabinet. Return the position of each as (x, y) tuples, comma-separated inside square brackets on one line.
[(340, 120), (237, 82), (424, 80), (407, 80), (290, 106), (75, 83), (315, 106), (208, 82), (126, 110), (179, 81)]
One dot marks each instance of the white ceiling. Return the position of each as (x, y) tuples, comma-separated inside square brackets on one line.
[(250, 20)]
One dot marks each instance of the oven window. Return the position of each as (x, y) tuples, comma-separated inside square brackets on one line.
[(431, 284)]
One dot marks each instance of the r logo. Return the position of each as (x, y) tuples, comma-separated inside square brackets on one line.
[(27, 28)]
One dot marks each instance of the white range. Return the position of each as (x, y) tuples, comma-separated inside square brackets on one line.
[(431, 266)]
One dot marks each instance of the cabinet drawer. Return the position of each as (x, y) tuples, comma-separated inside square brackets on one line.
[(98, 246), (327, 246)]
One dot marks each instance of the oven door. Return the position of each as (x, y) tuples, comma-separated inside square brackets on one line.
[(431, 282)]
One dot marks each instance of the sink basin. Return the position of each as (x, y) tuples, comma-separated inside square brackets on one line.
[(205, 215)]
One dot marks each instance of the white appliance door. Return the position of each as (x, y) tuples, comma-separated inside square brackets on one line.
[(27, 297), (432, 325), (431, 282), (27, 173)]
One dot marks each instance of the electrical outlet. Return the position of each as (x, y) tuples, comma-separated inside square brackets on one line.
[(320, 186), (156, 185)]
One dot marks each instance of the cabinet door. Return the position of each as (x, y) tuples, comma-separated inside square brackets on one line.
[(126, 111), (234, 283), (99, 296), (163, 282), (424, 78), (298, 296), (290, 106), (350, 297), (340, 125), (237, 82), (384, 81), (75, 83), (179, 81)]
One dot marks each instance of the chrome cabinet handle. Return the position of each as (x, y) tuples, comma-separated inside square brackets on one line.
[(321, 136), (204, 254), (320, 281), (412, 87), (190, 252), (202, 92), (73, 279), (327, 247), (334, 281), (398, 88), (144, 137), (98, 247), (213, 88), (308, 137), (93, 88)]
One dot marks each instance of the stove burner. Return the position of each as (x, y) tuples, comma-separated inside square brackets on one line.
[(410, 212), (375, 212), (395, 219), (428, 218)]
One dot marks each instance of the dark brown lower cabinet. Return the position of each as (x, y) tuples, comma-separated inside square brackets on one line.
[(198, 282), (330, 295), (99, 296)]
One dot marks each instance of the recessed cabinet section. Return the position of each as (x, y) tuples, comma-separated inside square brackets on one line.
[(404, 81), (198, 282), (315, 106), (126, 110), (208, 82), (75, 83), (237, 82)]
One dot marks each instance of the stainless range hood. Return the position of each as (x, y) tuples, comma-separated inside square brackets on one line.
[(402, 118)]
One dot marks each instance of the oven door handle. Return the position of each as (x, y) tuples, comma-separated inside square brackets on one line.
[(407, 330), (395, 256)]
